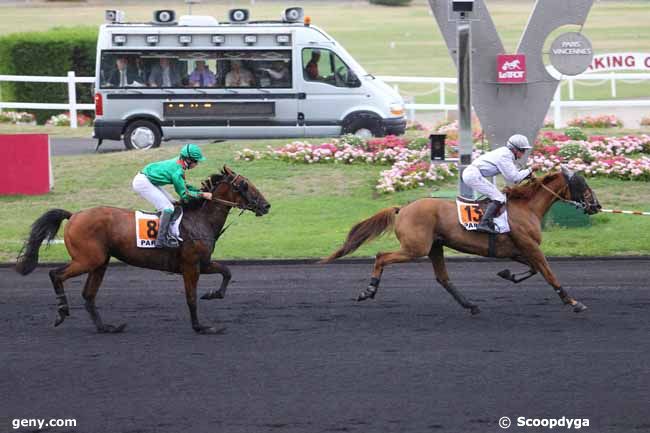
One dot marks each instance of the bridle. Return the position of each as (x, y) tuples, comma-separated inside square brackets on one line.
[(577, 204), (252, 205)]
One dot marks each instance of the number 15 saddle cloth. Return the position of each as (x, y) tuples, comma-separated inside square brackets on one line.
[(470, 213)]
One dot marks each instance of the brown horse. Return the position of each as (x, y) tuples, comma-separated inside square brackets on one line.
[(95, 235), (426, 225)]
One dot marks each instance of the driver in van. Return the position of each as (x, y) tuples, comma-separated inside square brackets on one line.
[(312, 67)]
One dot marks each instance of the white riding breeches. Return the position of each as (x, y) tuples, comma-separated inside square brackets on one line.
[(157, 196), (474, 179)]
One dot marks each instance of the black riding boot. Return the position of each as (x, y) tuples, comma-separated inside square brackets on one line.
[(487, 222), (163, 230)]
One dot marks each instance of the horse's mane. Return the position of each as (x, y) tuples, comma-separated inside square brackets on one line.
[(206, 186), (526, 190)]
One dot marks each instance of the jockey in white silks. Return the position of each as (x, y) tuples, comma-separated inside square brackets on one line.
[(501, 160)]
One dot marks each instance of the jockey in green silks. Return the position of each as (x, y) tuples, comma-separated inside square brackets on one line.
[(150, 180)]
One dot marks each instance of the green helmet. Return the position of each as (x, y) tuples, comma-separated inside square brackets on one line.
[(192, 151)]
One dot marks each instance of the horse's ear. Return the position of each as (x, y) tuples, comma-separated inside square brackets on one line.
[(226, 170), (566, 172)]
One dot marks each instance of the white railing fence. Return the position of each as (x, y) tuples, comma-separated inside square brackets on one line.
[(72, 106), (593, 79), (441, 85)]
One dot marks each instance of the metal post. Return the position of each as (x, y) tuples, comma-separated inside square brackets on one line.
[(465, 146), (72, 99), (557, 114), (613, 85), (571, 90)]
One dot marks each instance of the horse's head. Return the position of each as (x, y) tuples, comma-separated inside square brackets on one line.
[(580, 192), (232, 188)]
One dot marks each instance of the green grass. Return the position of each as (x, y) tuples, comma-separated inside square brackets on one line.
[(313, 207), (367, 31)]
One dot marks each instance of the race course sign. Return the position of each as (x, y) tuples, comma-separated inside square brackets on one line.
[(146, 229), (620, 62)]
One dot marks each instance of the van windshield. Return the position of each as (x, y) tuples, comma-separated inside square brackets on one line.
[(201, 69)]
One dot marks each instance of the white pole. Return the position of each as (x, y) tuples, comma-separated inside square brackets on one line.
[(571, 93), (443, 97), (613, 85), (557, 113), (72, 99)]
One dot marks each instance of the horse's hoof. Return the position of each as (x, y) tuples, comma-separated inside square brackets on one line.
[(110, 329), (214, 295), (209, 330), (60, 318), (505, 274), (474, 310), (368, 293), (579, 307)]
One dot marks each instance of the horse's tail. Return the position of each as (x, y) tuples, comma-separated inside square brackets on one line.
[(364, 231), (45, 227)]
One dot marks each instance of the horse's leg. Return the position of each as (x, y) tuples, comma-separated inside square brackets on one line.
[(191, 278), (89, 293), (217, 268), (518, 278), (58, 276), (382, 260), (440, 269), (538, 262)]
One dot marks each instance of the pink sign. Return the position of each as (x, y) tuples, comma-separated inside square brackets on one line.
[(511, 68), (26, 164)]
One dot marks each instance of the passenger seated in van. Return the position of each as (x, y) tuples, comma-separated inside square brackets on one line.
[(164, 75), (238, 76), (279, 73), (122, 75), (138, 67), (202, 76), (311, 70)]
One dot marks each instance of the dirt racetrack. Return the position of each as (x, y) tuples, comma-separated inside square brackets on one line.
[(301, 355)]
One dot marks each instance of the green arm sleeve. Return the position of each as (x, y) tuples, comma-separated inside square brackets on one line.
[(181, 187)]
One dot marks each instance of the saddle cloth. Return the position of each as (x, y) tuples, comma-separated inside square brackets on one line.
[(146, 229), (470, 213)]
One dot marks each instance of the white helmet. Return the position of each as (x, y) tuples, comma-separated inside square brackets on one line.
[(518, 142)]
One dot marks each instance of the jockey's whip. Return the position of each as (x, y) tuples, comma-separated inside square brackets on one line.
[(626, 212)]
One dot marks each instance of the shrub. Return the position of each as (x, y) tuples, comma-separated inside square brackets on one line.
[(391, 2), (51, 53), (575, 150), (604, 121), (575, 133)]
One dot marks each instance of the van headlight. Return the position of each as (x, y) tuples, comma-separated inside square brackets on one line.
[(396, 109)]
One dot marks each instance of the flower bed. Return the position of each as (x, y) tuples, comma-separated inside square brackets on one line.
[(604, 121), (618, 157), (64, 120), (17, 118)]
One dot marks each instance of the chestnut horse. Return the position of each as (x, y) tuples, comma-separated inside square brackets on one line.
[(426, 225), (95, 235)]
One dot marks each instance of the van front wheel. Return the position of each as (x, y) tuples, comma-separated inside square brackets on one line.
[(365, 126), (142, 134)]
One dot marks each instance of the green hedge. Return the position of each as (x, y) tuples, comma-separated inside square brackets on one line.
[(51, 53), (391, 2)]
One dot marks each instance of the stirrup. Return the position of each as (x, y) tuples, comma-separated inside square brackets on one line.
[(488, 227)]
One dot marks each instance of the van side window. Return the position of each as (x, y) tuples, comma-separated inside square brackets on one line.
[(201, 69), (325, 66)]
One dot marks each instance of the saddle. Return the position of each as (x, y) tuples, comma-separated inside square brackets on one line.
[(471, 211)]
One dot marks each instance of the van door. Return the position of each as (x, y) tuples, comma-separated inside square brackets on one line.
[(330, 89)]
